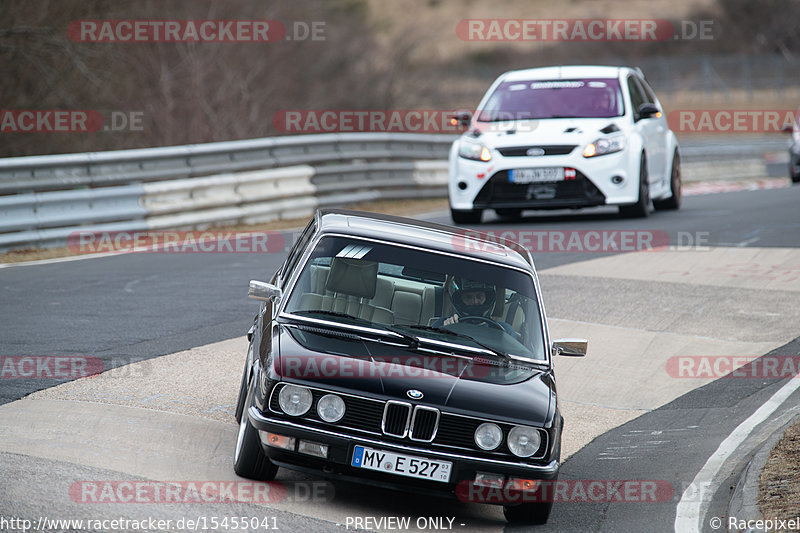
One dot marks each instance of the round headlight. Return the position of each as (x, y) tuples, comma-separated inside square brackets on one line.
[(488, 436), (294, 400), (524, 441), (330, 408)]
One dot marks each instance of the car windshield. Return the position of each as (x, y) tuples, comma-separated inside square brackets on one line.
[(417, 293), (542, 99)]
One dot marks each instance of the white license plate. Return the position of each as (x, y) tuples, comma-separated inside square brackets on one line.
[(401, 464), (536, 175)]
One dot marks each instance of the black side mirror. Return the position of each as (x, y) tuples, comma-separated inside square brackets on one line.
[(461, 118), (648, 110)]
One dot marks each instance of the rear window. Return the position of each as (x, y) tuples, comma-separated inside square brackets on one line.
[(540, 99)]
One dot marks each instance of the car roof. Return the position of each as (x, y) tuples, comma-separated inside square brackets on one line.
[(465, 242), (566, 72)]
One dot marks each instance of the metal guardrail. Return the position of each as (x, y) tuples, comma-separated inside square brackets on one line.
[(101, 169), (45, 198)]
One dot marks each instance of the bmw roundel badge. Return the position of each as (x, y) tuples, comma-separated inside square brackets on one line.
[(414, 394)]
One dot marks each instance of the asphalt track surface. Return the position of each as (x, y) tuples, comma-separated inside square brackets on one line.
[(136, 307)]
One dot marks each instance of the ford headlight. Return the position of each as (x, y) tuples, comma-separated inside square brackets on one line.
[(488, 436), (294, 400), (475, 151), (523, 441), (330, 408), (605, 145)]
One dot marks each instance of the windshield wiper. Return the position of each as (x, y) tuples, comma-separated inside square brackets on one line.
[(495, 351), (432, 328), (503, 355), (411, 339)]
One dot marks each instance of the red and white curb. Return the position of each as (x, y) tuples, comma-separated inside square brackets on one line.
[(719, 186)]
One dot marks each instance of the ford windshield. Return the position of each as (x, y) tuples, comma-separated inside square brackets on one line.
[(543, 99)]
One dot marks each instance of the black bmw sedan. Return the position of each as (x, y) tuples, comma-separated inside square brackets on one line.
[(405, 355)]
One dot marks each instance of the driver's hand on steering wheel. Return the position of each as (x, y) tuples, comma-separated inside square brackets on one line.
[(450, 320)]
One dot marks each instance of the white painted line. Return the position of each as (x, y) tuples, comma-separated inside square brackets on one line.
[(59, 259), (696, 495), (155, 248)]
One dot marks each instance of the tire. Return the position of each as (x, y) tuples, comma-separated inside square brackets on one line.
[(249, 459), (675, 187), (641, 208), (795, 176), (509, 214), (528, 513), (240, 402), (471, 216)]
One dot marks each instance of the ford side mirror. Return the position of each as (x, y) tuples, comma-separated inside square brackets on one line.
[(648, 110), (461, 118)]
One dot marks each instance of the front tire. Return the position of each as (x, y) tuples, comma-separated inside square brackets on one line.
[(242, 398), (249, 460), (469, 216), (675, 185), (641, 208)]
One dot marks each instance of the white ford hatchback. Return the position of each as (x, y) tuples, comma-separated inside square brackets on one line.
[(565, 137)]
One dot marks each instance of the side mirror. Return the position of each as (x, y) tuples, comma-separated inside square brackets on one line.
[(570, 347), (264, 291), (461, 118), (648, 110)]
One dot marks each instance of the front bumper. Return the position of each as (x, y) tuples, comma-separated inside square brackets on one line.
[(604, 180), (340, 452), (499, 193)]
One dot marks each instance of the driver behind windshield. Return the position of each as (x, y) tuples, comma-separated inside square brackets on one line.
[(471, 298)]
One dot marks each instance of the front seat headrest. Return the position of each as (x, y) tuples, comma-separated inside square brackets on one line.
[(354, 277)]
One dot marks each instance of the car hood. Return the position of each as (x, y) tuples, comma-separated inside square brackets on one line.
[(545, 132), (497, 389)]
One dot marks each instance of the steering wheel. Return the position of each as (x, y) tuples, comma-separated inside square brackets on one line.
[(477, 319)]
